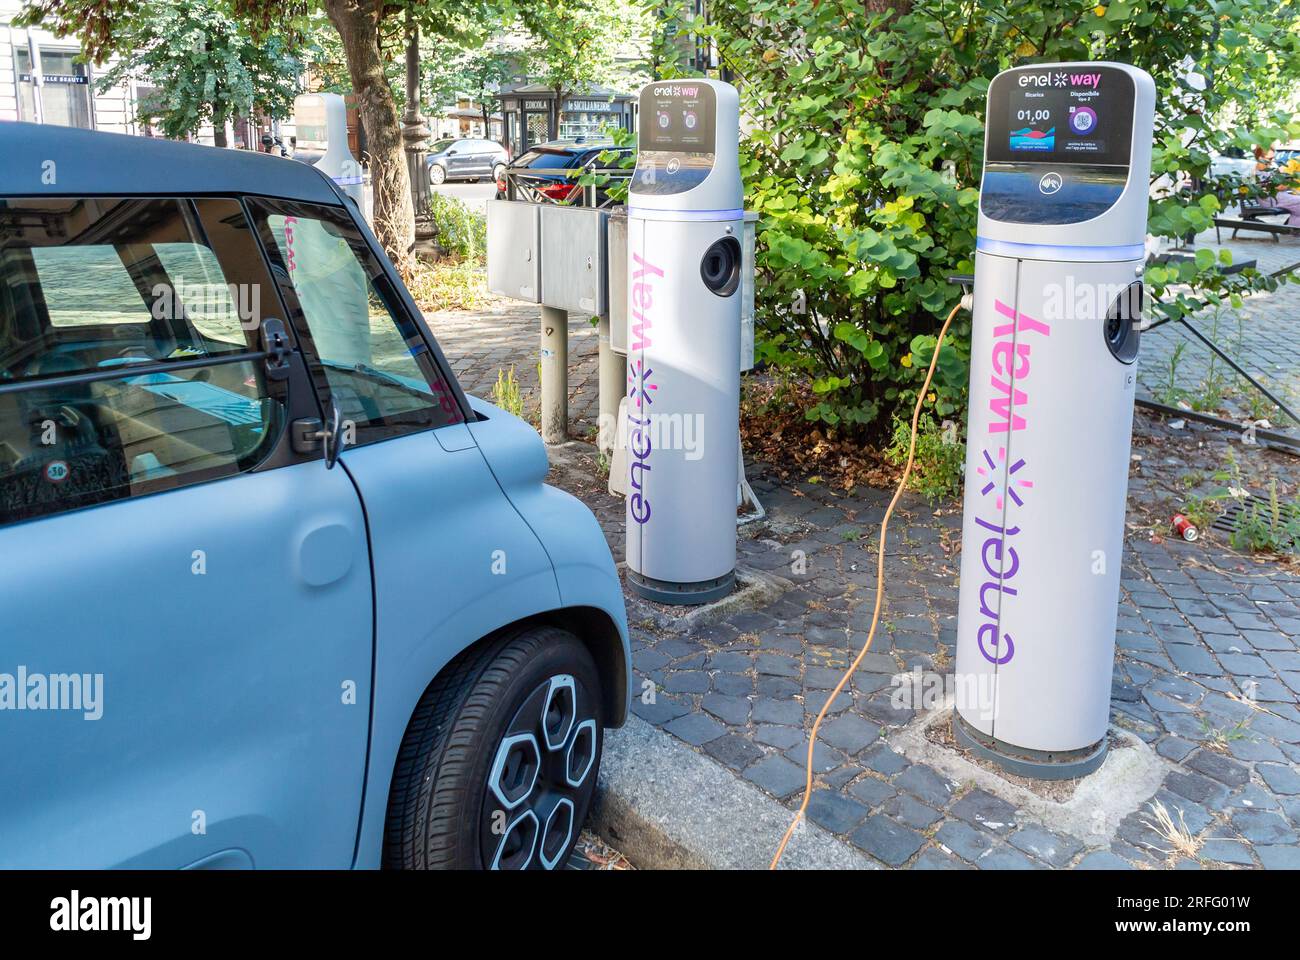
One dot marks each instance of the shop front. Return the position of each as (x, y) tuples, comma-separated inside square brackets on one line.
[(530, 115)]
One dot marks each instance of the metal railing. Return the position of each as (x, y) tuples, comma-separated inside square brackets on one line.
[(527, 185)]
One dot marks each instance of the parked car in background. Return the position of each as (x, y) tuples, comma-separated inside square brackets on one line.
[(466, 159), (287, 596), (549, 172)]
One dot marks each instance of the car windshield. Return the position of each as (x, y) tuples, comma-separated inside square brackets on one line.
[(441, 145)]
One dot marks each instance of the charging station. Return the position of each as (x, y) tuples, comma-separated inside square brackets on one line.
[(684, 228), (1058, 267)]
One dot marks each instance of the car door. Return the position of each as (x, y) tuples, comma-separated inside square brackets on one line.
[(460, 159), (452, 558), (484, 154), (185, 659)]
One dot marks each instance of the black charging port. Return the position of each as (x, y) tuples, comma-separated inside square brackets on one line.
[(1122, 324), (720, 268)]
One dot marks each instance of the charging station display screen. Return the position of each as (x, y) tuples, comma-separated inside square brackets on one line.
[(678, 127), (679, 118), (1079, 114)]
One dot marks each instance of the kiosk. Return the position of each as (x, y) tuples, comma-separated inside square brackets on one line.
[(1058, 292), (684, 230)]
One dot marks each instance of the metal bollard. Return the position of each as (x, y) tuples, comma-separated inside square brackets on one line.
[(555, 375)]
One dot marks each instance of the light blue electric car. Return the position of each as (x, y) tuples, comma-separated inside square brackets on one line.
[(274, 592)]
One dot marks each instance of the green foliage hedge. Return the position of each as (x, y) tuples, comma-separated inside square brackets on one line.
[(864, 150)]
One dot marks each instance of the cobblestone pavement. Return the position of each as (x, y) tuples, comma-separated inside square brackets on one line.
[(1207, 669), (1207, 672), (1264, 337), (481, 343)]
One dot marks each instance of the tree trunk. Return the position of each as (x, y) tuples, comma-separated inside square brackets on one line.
[(357, 22), (218, 127)]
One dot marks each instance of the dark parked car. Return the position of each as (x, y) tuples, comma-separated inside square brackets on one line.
[(549, 172), (466, 159)]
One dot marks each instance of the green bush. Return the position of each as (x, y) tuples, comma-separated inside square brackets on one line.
[(864, 152), (461, 231), (937, 463)]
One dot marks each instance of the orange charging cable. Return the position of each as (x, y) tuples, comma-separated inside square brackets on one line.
[(880, 592)]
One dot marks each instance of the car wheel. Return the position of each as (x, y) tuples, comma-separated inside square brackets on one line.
[(499, 762), (437, 175), (498, 171)]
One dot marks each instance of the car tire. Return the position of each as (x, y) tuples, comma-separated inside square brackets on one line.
[(437, 174), (498, 171), (499, 763)]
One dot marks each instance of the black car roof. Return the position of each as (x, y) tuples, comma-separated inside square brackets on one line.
[(47, 160)]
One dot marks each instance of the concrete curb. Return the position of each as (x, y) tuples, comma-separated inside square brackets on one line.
[(664, 807)]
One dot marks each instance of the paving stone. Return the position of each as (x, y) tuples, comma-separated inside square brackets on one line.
[(732, 684), (686, 681), (926, 784), (789, 712), (1261, 826), (773, 665), (777, 688), (695, 728), (824, 758), (1052, 848), (777, 775), (849, 733), (813, 700), (644, 661), (1283, 660), (834, 811), (1226, 849), (992, 813), (964, 840), (1280, 778), (1174, 748), (729, 662), (661, 711), (886, 840), (783, 738), (1219, 767), (1255, 749), (1245, 665), (1002, 857), (871, 791), (735, 751), (1192, 659), (1103, 860), (911, 812), (1279, 857), (732, 710), (932, 858)]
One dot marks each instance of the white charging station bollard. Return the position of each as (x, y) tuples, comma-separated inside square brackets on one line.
[(685, 223), (1058, 267), (338, 163)]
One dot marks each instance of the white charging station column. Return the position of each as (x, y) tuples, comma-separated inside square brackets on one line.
[(684, 228), (1058, 267)]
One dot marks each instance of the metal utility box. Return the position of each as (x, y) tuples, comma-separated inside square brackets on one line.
[(514, 250), (573, 270)]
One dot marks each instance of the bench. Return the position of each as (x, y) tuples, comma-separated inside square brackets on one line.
[(1250, 220)]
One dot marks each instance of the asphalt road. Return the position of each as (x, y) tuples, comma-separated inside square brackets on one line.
[(475, 195)]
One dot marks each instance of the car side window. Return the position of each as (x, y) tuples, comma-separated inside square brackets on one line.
[(363, 350), (129, 340)]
